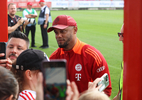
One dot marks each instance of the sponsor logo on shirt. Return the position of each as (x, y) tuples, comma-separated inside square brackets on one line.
[(78, 67), (78, 76), (100, 69)]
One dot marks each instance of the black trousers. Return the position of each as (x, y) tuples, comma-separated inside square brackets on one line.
[(44, 34), (32, 29)]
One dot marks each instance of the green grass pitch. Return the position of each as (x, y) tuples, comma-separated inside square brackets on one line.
[(98, 28)]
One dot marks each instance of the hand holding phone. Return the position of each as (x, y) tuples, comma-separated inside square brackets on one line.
[(104, 81), (54, 72), (2, 49)]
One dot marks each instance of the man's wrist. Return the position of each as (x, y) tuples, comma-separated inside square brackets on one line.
[(45, 23)]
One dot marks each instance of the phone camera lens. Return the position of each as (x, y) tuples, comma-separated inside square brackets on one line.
[(106, 78)]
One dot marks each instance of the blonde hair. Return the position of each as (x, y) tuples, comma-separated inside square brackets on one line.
[(93, 95), (11, 4)]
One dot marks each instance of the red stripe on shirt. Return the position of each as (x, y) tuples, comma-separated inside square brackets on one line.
[(31, 96), (26, 95), (22, 97), (94, 55)]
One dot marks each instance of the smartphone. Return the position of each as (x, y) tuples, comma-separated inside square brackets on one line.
[(104, 82), (2, 49), (54, 72)]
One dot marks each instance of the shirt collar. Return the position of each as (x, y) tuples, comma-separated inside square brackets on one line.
[(29, 9), (42, 7), (77, 47)]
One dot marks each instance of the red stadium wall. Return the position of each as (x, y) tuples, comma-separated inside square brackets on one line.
[(3, 21), (23, 3), (71, 3)]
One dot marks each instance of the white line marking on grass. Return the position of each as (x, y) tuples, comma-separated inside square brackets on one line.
[(114, 67)]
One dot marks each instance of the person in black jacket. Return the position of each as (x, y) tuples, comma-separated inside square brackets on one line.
[(14, 21)]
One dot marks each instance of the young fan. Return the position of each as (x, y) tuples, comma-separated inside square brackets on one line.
[(27, 70)]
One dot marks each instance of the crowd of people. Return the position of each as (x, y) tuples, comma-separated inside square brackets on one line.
[(27, 22), (21, 72)]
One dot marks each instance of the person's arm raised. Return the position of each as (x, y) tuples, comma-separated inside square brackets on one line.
[(13, 28)]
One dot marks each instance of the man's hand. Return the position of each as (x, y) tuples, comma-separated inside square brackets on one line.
[(31, 16), (45, 26), (26, 22), (20, 21), (39, 88), (93, 85), (117, 97), (72, 91), (7, 63)]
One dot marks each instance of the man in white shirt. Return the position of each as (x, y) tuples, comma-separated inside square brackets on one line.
[(43, 21), (30, 14)]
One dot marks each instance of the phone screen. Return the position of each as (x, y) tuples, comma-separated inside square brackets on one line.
[(55, 79), (2, 49), (104, 82)]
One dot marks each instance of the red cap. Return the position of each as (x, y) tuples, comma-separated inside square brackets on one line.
[(62, 22), (41, 1), (29, 3)]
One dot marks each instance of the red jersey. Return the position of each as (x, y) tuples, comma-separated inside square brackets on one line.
[(84, 64)]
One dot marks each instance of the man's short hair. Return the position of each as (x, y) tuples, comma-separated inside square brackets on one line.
[(8, 84), (19, 34), (11, 4)]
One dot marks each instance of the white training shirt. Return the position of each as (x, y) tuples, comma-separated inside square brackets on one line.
[(27, 95), (46, 11)]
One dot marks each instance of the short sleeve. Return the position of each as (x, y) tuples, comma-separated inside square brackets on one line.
[(47, 10), (25, 13), (35, 13)]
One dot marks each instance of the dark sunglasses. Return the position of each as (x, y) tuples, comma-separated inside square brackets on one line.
[(120, 34)]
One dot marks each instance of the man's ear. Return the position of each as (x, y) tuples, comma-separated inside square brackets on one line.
[(75, 29), (10, 97), (28, 74)]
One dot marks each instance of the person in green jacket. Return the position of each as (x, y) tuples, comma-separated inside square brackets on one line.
[(119, 96), (30, 13)]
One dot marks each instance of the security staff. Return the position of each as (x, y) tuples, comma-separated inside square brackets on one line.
[(43, 21), (31, 14)]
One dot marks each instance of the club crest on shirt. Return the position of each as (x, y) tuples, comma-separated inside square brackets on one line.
[(78, 67)]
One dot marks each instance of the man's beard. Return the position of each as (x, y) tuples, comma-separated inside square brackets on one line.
[(65, 44), (12, 14)]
